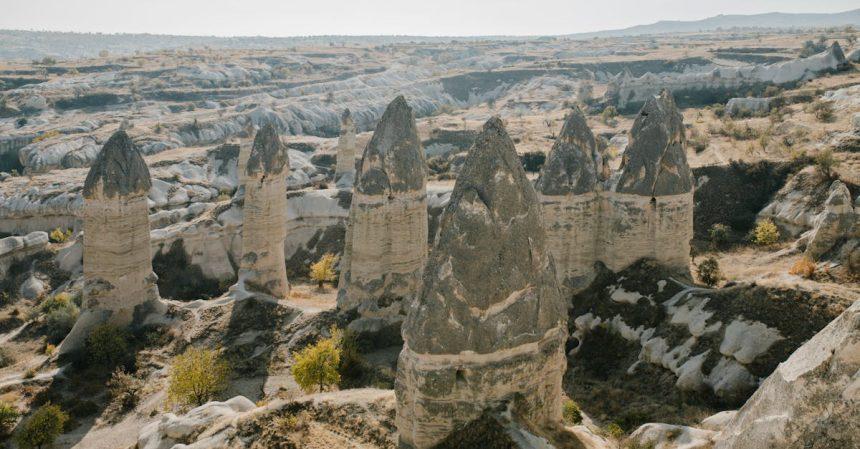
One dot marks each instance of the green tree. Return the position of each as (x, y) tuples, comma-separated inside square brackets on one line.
[(323, 270), (41, 429), (709, 272), (196, 376)]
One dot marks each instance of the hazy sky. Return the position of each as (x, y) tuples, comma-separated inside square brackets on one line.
[(414, 17)]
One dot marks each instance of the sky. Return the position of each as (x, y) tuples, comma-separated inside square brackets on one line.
[(375, 17)]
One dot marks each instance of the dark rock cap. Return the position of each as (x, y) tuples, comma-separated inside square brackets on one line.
[(120, 169), (571, 164), (655, 162), (393, 160), (489, 283), (268, 154)]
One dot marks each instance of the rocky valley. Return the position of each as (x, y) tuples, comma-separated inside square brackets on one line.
[(603, 242)]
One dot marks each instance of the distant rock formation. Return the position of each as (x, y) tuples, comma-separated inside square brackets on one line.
[(644, 211), (811, 400), (628, 93), (386, 240), (488, 329), (344, 175), (263, 268), (117, 267)]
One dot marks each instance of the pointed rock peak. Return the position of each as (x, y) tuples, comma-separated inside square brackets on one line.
[(493, 215), (655, 162), (346, 116), (393, 160), (119, 168), (839, 197), (268, 154), (571, 166)]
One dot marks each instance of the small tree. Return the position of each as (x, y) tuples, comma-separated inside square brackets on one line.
[(108, 346), (317, 365), (124, 389), (825, 163), (765, 233), (719, 234), (42, 428), (323, 270), (709, 272), (196, 375)]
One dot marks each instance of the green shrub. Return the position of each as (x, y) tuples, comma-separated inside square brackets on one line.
[(709, 271), (571, 412), (317, 365), (108, 346), (9, 415), (351, 363), (60, 320), (765, 233), (719, 235), (41, 429), (196, 376), (613, 430), (825, 163), (124, 389)]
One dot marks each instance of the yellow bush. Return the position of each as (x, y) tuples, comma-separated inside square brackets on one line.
[(317, 365), (195, 376), (765, 233), (323, 270), (571, 412), (804, 267), (60, 236)]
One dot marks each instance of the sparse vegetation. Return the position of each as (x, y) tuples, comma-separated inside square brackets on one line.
[(108, 346), (823, 110), (196, 376), (803, 267), (719, 235), (324, 270), (9, 415), (613, 430), (826, 163), (317, 365), (124, 389), (60, 236), (709, 271), (42, 428), (607, 117), (765, 233), (571, 412), (698, 141)]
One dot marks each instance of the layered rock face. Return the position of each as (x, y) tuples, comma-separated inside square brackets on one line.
[(117, 265), (484, 335), (811, 400), (567, 189), (386, 241), (645, 211), (650, 211), (263, 268), (344, 175), (627, 92)]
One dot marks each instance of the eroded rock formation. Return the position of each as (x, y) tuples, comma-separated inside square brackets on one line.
[(484, 335), (118, 275), (811, 400), (646, 210), (263, 268), (838, 221), (386, 241), (344, 175)]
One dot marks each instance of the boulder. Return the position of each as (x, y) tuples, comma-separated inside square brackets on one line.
[(834, 224), (811, 400)]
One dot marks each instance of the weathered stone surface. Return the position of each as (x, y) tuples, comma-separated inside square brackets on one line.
[(15, 248), (668, 436), (118, 170), (118, 275), (835, 223), (811, 400), (483, 334), (571, 166), (344, 174), (263, 267), (655, 162), (739, 107), (386, 240)]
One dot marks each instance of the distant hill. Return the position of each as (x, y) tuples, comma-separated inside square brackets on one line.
[(19, 44), (722, 21)]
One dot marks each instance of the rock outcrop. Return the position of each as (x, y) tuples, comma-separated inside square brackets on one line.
[(628, 93), (568, 190), (484, 335), (344, 175), (386, 240), (263, 267), (118, 276), (16, 248), (811, 400), (837, 222)]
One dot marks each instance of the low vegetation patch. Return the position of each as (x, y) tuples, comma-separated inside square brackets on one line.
[(196, 376), (42, 428)]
